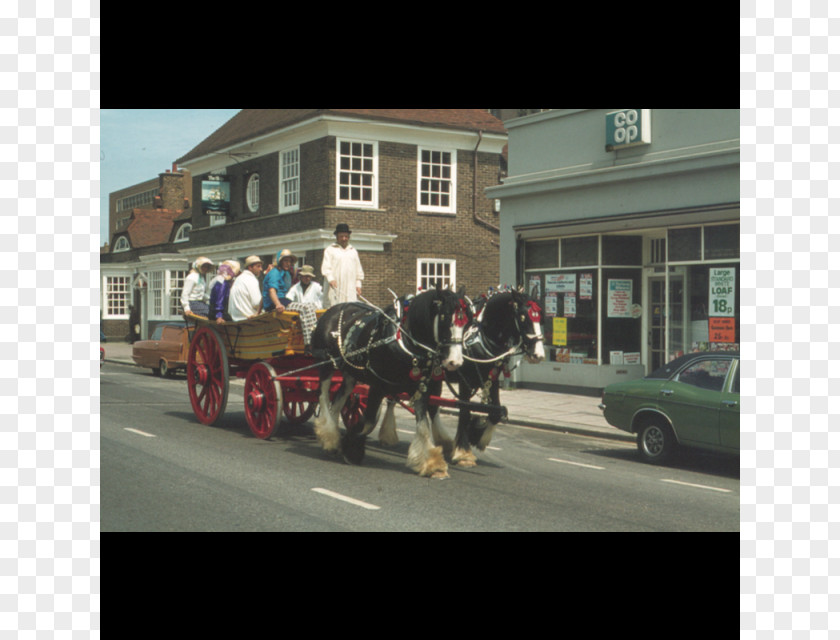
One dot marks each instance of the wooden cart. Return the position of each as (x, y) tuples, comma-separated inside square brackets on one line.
[(281, 381)]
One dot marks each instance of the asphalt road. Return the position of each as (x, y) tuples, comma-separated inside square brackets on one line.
[(161, 470)]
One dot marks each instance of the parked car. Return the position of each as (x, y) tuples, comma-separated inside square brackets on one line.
[(690, 402), (165, 352)]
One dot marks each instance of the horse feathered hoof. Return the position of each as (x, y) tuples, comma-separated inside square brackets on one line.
[(353, 449), (464, 459)]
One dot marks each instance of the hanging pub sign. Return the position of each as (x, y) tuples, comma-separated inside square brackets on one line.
[(627, 128), (215, 195)]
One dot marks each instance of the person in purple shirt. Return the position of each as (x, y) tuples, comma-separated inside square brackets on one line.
[(220, 290)]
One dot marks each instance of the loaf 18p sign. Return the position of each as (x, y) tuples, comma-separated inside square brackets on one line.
[(627, 128), (722, 292)]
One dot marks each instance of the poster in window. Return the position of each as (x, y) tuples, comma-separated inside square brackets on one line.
[(722, 292), (534, 287), (561, 282), (550, 305), (559, 335), (586, 286), (570, 305), (619, 298)]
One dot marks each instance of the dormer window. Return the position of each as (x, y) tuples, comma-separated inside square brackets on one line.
[(121, 244), (183, 233)]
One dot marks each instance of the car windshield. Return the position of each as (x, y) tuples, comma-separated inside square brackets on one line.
[(156, 335)]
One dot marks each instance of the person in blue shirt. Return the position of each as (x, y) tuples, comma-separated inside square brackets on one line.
[(278, 281)]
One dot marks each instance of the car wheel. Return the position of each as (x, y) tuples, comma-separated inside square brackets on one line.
[(165, 371), (656, 441)]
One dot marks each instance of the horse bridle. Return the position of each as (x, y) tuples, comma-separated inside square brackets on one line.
[(525, 343)]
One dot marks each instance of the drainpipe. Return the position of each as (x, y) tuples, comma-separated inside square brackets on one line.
[(476, 218)]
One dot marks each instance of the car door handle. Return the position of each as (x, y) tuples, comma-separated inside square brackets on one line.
[(730, 403), (666, 392)]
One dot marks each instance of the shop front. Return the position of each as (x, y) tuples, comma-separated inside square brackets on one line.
[(618, 305), (624, 225)]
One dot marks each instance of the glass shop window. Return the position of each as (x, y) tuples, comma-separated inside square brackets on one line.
[(579, 252), (701, 299), (621, 250), (621, 329), (684, 244), (542, 254), (569, 300), (722, 241)]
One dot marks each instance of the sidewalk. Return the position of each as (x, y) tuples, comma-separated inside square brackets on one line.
[(541, 409)]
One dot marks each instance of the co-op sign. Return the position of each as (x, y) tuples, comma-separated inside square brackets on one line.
[(627, 128)]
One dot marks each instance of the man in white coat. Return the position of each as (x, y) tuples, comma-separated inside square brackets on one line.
[(245, 295), (342, 269)]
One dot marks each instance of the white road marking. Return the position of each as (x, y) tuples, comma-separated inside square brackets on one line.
[(338, 496), (141, 433), (577, 464), (697, 486)]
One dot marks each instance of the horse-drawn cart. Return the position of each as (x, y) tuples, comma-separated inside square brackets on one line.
[(281, 381)]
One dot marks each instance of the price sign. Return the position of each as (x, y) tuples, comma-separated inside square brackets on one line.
[(722, 329), (722, 292)]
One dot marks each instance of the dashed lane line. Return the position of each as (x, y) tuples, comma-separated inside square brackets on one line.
[(577, 464), (343, 498), (141, 433), (697, 486)]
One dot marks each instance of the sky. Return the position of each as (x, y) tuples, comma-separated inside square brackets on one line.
[(138, 144)]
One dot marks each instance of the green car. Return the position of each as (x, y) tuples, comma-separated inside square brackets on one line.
[(690, 402)]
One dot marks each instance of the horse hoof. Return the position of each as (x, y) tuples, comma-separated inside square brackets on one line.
[(440, 475), (466, 464), (353, 450)]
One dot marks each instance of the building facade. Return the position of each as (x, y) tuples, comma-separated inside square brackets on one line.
[(624, 224), (410, 183)]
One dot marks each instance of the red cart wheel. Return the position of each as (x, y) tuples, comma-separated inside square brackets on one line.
[(262, 397), (298, 412), (207, 375), (353, 411)]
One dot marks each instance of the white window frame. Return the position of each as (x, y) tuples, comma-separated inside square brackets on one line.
[(122, 244), (174, 283), (289, 180), (164, 293), (183, 234), (252, 193), (439, 264), (361, 171), (435, 174), (117, 296)]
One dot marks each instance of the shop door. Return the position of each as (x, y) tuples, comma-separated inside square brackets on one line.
[(665, 319)]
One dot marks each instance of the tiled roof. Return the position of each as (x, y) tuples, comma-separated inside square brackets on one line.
[(149, 227), (251, 123)]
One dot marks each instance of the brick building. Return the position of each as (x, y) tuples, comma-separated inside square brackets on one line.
[(409, 182)]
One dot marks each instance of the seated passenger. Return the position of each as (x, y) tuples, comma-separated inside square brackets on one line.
[(220, 290), (195, 295), (306, 297), (278, 281), (245, 298)]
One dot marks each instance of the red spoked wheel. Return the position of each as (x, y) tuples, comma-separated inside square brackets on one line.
[(263, 396), (353, 411), (299, 411), (207, 375)]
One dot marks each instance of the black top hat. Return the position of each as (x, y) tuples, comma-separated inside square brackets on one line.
[(341, 228)]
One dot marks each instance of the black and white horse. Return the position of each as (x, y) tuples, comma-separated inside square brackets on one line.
[(506, 325), (392, 355)]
